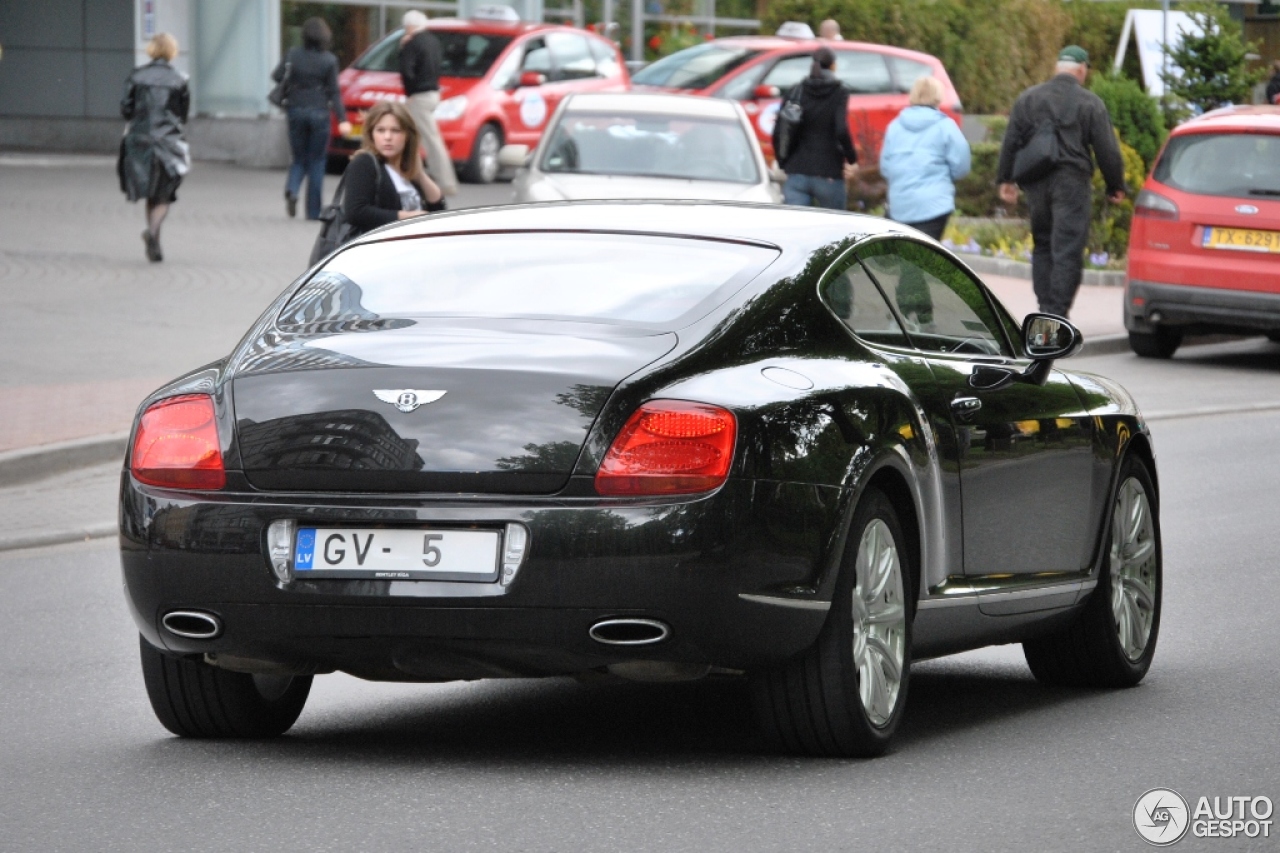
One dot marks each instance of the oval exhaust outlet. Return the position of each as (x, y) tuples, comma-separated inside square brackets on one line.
[(629, 632), (192, 624)]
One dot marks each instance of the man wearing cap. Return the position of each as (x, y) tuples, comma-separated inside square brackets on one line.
[(420, 62), (1061, 199)]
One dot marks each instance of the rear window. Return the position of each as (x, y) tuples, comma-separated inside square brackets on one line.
[(606, 278), (1243, 165), (462, 54), (695, 67)]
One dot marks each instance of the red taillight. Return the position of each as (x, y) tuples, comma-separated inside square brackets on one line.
[(1153, 206), (669, 447), (177, 445)]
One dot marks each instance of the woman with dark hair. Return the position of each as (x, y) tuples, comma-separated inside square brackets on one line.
[(153, 153), (310, 92), (823, 156), (385, 180)]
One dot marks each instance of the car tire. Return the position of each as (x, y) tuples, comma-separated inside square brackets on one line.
[(1112, 642), (1162, 343), (336, 164), (193, 699), (839, 698), (482, 167)]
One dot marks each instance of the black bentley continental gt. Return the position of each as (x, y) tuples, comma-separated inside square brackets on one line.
[(654, 440)]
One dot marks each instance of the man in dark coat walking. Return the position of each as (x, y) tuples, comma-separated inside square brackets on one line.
[(1061, 200), (421, 59), (822, 156)]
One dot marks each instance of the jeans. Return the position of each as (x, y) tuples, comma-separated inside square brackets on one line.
[(1061, 206), (308, 141), (807, 190)]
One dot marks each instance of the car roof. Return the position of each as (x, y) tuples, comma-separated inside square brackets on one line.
[(693, 106), (505, 28), (778, 43), (769, 224), (1244, 118)]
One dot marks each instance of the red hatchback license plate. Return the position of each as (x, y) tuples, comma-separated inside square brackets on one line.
[(1242, 240)]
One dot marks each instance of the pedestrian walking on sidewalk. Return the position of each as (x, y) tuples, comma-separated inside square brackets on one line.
[(310, 77), (1053, 127), (822, 156), (154, 155), (420, 61), (385, 181), (923, 155)]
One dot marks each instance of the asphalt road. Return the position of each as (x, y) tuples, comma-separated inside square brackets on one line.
[(986, 760)]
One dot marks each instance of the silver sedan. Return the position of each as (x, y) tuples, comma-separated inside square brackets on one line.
[(623, 146)]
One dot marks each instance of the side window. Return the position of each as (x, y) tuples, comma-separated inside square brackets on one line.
[(863, 73), (573, 58), (788, 71), (506, 74), (943, 308), (739, 88), (906, 72), (854, 298), (536, 58), (606, 58)]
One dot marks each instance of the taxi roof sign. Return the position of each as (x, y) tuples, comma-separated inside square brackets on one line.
[(795, 30), (495, 12)]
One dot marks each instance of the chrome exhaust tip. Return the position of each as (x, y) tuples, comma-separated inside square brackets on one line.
[(192, 624), (629, 632)]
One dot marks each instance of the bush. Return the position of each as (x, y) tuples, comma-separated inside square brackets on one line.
[(1109, 228), (1135, 115)]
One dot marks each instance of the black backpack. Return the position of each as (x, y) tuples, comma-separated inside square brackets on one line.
[(790, 115), (334, 229)]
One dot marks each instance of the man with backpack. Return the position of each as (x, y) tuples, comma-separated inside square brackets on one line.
[(1053, 127), (811, 138)]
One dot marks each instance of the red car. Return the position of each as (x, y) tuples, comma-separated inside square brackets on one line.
[(1204, 249), (502, 80), (757, 70)]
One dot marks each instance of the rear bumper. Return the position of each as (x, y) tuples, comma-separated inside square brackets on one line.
[(686, 564), (1199, 310)]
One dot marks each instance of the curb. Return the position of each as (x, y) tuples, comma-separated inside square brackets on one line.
[(46, 460), (1022, 269), (1104, 345), (58, 537)]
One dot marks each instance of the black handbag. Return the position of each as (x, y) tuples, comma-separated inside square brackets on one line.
[(334, 228), (1038, 157), (790, 115), (279, 95)]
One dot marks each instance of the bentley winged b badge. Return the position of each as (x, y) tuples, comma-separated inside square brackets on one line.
[(407, 399)]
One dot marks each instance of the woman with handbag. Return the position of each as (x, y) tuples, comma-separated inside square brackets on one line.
[(385, 181), (154, 155), (308, 78)]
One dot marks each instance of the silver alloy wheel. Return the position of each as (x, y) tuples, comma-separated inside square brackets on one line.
[(1133, 568), (879, 622), (487, 155)]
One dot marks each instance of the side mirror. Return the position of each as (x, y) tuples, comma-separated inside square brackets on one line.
[(763, 92), (1046, 337), (513, 156), (531, 78)]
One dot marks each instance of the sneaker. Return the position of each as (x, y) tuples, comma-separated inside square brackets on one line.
[(153, 246), (290, 204)]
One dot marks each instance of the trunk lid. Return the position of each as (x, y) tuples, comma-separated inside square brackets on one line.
[(355, 411)]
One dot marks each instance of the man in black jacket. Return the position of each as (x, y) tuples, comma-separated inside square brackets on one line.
[(420, 63), (822, 155), (1061, 201)]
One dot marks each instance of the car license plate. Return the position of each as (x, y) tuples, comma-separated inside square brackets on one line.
[(397, 554), (1242, 240)]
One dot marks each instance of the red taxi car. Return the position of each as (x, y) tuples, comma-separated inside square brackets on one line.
[(502, 79), (1204, 248), (757, 70)]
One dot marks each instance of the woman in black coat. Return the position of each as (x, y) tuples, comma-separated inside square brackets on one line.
[(153, 153), (311, 93), (385, 180)]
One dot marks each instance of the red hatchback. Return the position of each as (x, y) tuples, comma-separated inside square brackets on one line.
[(1204, 250), (757, 70), (500, 83)]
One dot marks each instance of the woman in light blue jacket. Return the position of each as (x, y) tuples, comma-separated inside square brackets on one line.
[(923, 155)]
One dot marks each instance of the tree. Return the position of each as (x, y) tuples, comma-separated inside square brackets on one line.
[(1212, 64)]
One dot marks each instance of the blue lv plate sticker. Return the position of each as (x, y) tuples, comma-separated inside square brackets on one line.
[(305, 553)]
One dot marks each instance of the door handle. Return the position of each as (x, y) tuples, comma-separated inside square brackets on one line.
[(965, 406)]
